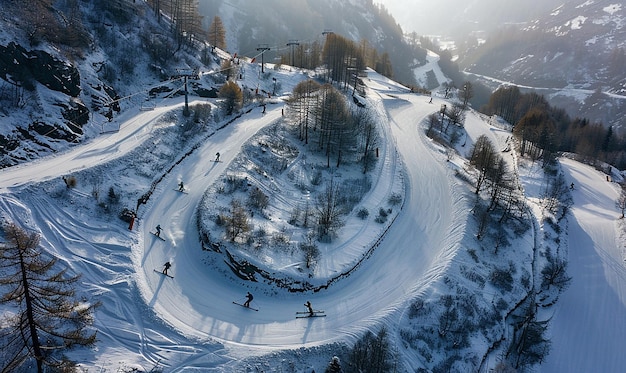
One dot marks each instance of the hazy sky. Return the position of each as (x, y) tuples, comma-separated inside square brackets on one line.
[(404, 11), (443, 17), (433, 17)]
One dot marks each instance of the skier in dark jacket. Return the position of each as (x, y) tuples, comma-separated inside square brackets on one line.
[(249, 298), (181, 186), (309, 307), (158, 230), (217, 157), (166, 266)]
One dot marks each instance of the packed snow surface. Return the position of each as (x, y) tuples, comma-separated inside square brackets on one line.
[(189, 323)]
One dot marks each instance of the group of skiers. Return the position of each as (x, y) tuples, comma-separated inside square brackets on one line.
[(181, 188), (249, 297), (181, 185)]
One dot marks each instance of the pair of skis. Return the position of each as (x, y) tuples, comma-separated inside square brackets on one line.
[(244, 306), (307, 314)]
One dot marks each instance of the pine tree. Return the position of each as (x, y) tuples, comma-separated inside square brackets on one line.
[(217, 33), (47, 319)]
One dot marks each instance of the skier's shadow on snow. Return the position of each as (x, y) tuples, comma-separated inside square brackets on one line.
[(156, 291), (147, 253), (307, 330), (214, 163)]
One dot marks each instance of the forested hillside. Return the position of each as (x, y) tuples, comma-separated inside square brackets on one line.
[(70, 68), (276, 23), (545, 131)]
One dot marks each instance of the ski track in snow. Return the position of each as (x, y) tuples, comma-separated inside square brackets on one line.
[(405, 261), (189, 321), (402, 265), (589, 325)]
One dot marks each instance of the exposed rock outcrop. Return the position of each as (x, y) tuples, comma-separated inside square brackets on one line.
[(22, 67)]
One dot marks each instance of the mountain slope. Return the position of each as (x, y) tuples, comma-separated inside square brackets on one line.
[(276, 22), (580, 45), (68, 69), (585, 38)]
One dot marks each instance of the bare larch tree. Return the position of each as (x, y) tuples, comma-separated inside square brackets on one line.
[(47, 319)]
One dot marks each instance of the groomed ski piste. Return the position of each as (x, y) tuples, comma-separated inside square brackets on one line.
[(189, 323)]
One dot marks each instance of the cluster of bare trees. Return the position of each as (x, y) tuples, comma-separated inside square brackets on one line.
[(493, 176), (511, 104), (329, 209), (50, 21), (372, 353), (46, 318), (322, 117), (185, 19), (536, 131), (304, 55), (237, 222), (334, 130), (343, 58), (529, 343)]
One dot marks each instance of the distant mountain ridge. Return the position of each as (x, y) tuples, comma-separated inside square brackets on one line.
[(584, 37), (580, 45), (275, 22)]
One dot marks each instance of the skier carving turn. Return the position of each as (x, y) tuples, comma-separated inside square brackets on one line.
[(166, 266), (249, 298)]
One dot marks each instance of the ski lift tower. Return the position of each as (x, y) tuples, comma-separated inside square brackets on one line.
[(262, 48), (185, 73), (292, 44)]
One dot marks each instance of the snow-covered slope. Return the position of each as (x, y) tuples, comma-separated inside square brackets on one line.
[(188, 323), (587, 37), (63, 82), (589, 325)]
